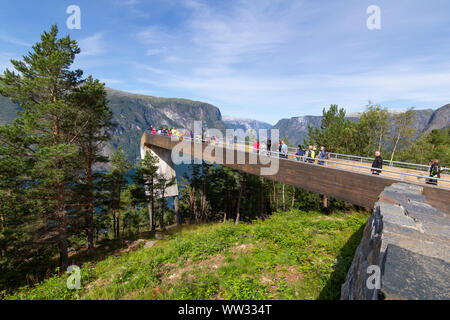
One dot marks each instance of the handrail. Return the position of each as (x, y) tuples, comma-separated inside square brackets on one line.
[(276, 154)]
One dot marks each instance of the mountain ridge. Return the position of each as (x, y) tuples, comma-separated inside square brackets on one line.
[(134, 113)]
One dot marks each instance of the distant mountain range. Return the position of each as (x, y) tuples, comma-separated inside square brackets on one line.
[(245, 124), (134, 113), (296, 128)]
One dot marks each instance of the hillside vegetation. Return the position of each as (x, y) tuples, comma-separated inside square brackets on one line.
[(292, 255)]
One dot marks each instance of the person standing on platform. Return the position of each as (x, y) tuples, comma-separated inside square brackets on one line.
[(377, 163)]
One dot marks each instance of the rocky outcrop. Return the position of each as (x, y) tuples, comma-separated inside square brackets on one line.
[(440, 119), (245, 124), (409, 241)]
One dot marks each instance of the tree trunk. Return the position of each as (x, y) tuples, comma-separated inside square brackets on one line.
[(395, 148), (114, 223), (161, 217), (118, 216), (150, 215), (325, 201), (152, 206), (62, 223), (90, 208), (2, 221), (238, 210), (177, 211), (379, 142)]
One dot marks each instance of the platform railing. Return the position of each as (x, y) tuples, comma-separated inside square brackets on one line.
[(352, 167)]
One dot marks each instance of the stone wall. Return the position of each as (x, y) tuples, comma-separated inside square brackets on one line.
[(409, 241)]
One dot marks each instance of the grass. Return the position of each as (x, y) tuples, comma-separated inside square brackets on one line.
[(292, 255)]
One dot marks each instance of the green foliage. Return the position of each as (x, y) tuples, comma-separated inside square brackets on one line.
[(336, 132), (372, 130), (40, 85), (292, 255), (434, 145), (403, 130)]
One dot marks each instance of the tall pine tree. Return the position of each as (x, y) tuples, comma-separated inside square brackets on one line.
[(41, 84), (91, 126)]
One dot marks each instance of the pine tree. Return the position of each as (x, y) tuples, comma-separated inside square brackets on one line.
[(41, 85), (118, 181), (162, 184), (92, 124), (144, 190)]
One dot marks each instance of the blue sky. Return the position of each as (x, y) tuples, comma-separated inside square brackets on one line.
[(260, 59)]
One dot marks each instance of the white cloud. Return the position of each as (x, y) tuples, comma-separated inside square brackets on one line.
[(110, 82), (93, 45), (13, 40), (310, 93), (143, 67)]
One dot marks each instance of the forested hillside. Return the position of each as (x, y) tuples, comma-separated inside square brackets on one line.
[(135, 113)]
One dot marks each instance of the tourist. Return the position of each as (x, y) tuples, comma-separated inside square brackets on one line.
[(269, 146), (279, 148), (300, 152), (435, 172), (284, 150), (322, 155), (231, 141), (377, 163), (263, 147), (256, 146), (311, 154)]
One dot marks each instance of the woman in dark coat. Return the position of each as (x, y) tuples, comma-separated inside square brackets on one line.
[(377, 163)]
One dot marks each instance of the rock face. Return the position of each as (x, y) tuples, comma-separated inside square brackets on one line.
[(135, 113), (440, 119), (245, 124), (296, 129), (409, 241)]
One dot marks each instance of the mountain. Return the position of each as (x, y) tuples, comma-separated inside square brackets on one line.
[(440, 119), (134, 113), (296, 128), (245, 124), (8, 110)]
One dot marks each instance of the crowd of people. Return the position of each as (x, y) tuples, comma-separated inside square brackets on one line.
[(308, 154)]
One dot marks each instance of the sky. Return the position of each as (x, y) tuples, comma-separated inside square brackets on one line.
[(258, 59)]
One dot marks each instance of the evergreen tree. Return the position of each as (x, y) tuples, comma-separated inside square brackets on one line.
[(92, 124), (161, 186), (144, 189), (41, 85), (118, 181), (336, 132)]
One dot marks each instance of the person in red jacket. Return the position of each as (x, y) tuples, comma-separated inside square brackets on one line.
[(256, 146)]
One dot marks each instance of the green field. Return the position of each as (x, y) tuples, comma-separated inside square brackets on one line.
[(291, 255)]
